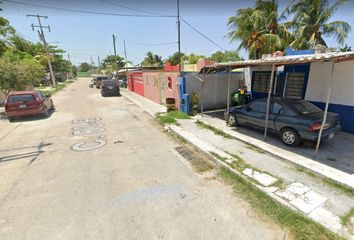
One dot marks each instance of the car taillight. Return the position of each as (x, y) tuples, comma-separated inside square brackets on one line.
[(317, 126)]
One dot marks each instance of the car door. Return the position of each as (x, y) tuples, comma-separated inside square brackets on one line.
[(276, 116), (255, 114)]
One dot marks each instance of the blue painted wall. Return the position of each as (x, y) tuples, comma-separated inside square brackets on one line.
[(346, 114), (300, 68)]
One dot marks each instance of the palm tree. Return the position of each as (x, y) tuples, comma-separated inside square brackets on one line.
[(261, 29), (311, 23)]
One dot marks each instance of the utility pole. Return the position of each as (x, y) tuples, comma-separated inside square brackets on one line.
[(126, 61), (179, 39), (115, 53), (69, 57), (42, 37), (114, 45), (99, 62)]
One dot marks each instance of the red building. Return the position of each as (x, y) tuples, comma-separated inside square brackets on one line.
[(136, 82)]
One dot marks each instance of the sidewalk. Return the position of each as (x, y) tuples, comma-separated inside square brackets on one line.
[(298, 190)]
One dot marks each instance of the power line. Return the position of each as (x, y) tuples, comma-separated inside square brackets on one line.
[(84, 11), (152, 44), (130, 8), (187, 23)]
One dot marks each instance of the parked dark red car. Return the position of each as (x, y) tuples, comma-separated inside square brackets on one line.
[(25, 103)]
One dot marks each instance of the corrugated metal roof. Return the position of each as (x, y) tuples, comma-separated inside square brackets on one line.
[(280, 61)]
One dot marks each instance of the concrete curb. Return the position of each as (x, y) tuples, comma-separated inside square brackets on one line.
[(208, 149), (310, 164), (139, 104), (270, 191)]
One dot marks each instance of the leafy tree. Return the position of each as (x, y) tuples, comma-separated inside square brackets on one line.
[(346, 48), (261, 29), (113, 61), (174, 58), (85, 67), (193, 58), (311, 22), (74, 70), (5, 30), (19, 74), (227, 56), (152, 60)]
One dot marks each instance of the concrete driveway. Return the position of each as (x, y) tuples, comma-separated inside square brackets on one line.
[(336, 153), (101, 168)]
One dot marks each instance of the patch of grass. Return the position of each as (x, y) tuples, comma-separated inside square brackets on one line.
[(170, 117), (201, 165), (178, 138), (215, 130), (51, 91), (166, 119), (254, 148), (346, 217), (178, 115), (342, 188), (217, 156), (301, 227)]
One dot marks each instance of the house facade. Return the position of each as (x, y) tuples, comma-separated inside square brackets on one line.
[(311, 82)]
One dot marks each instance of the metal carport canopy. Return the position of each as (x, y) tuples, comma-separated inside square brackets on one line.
[(274, 62)]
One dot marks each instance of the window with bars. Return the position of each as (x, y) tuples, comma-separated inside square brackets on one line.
[(260, 82)]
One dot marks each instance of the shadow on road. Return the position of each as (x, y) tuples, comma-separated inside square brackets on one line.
[(32, 152), (33, 117)]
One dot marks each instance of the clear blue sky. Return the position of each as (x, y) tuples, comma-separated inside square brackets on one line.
[(85, 35)]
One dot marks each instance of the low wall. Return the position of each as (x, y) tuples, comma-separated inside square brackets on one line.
[(215, 87)]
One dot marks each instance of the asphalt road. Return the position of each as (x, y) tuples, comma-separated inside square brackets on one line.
[(101, 168)]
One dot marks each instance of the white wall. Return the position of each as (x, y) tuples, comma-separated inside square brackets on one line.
[(215, 87), (342, 86)]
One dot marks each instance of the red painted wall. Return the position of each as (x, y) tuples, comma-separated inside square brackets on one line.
[(170, 68), (136, 82)]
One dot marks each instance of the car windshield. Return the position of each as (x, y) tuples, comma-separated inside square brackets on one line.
[(109, 83), (306, 108), (21, 98)]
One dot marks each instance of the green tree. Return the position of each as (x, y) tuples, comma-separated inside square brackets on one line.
[(85, 67), (174, 58), (19, 74), (346, 48), (5, 30), (260, 29), (152, 60), (227, 56), (311, 23), (113, 61), (193, 58), (74, 70)]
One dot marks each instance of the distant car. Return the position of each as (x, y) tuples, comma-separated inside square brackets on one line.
[(98, 80), (123, 82), (293, 120), (25, 103), (109, 87)]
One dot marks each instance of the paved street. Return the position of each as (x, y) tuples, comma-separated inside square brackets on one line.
[(101, 168)]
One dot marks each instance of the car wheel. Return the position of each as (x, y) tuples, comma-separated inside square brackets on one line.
[(232, 120), (290, 137), (11, 119), (45, 113)]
